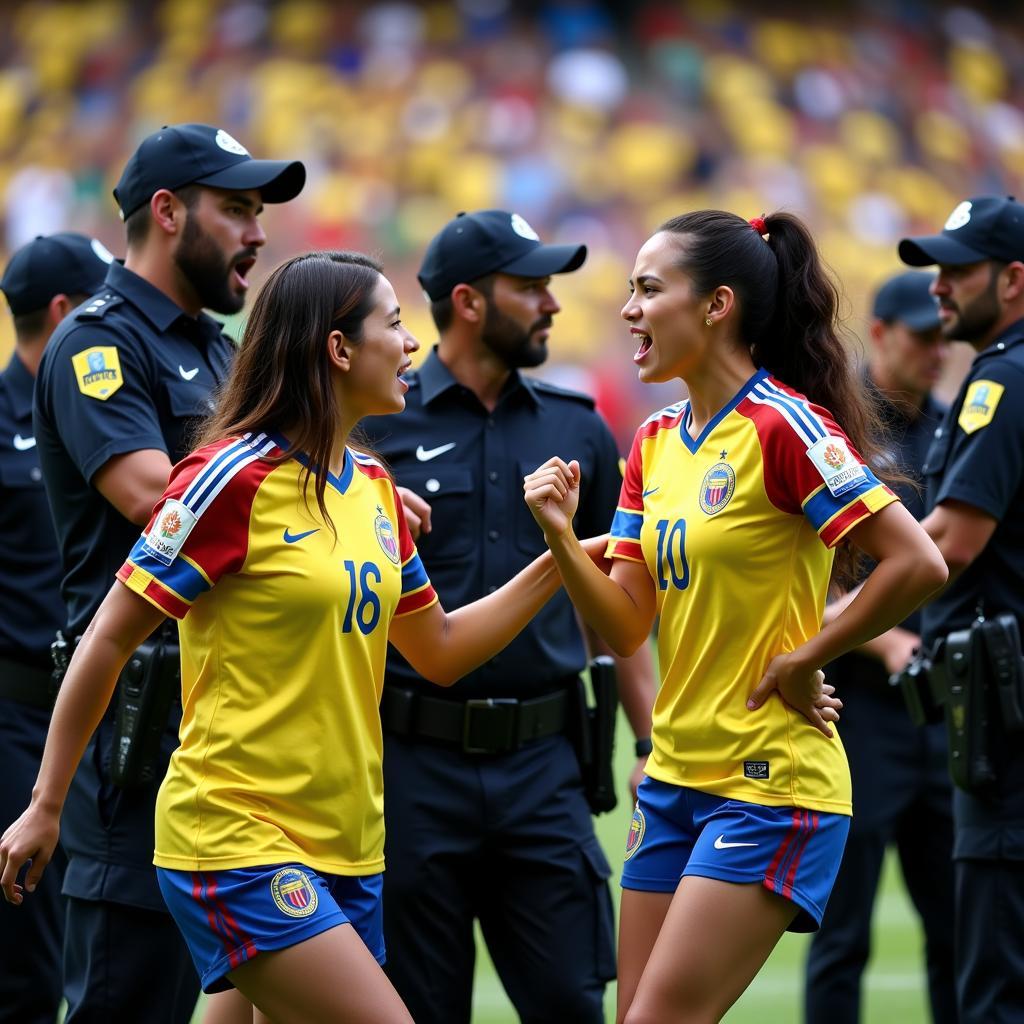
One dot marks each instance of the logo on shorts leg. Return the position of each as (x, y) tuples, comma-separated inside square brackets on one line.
[(637, 828), (293, 892)]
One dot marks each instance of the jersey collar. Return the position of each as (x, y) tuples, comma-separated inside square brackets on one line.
[(340, 482), (158, 307), (694, 444)]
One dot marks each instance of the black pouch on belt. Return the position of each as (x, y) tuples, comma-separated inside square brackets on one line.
[(146, 688), (1002, 644), (968, 719), (593, 733)]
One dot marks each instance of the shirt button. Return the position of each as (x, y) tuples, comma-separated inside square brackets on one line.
[(433, 485), (493, 476), (938, 431), (493, 535), (36, 474), (491, 589), (1001, 346)]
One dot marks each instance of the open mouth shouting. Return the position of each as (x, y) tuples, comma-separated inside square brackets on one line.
[(240, 269), (645, 345)]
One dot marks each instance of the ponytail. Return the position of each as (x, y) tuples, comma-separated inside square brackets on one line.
[(788, 307)]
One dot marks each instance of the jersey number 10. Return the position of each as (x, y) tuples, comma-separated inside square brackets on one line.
[(672, 562), (365, 613)]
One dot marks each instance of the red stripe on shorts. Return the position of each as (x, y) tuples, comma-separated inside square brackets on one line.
[(780, 853), (233, 927), (811, 828)]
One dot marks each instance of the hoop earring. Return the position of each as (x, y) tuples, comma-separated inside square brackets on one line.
[(708, 321)]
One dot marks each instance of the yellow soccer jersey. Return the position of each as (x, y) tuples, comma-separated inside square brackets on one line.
[(736, 528), (283, 635)]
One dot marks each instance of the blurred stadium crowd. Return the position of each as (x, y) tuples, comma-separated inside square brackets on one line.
[(595, 121)]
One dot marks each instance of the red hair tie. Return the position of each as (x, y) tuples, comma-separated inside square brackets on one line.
[(757, 223)]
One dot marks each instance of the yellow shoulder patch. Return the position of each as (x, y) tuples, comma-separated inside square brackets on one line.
[(98, 371), (979, 405)]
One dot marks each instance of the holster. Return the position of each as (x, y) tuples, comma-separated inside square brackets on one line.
[(963, 675), (592, 731), (916, 685), (1001, 639), (146, 688)]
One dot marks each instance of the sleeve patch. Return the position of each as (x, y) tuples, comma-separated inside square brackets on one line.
[(832, 458), (169, 531), (98, 371), (979, 405)]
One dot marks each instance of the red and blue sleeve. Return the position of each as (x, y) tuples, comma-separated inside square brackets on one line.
[(199, 530), (624, 535)]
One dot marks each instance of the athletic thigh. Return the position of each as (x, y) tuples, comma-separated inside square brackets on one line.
[(329, 977), (714, 939)]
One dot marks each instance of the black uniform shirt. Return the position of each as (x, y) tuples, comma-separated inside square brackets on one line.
[(469, 464), (128, 370), (30, 605), (977, 457)]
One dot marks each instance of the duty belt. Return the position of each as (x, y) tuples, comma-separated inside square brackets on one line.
[(27, 684), (489, 726)]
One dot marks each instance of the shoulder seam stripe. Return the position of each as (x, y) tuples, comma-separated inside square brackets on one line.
[(802, 407), (212, 468), (786, 413), (197, 499), (669, 412)]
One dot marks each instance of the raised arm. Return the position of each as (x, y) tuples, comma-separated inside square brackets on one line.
[(621, 607), (122, 622)]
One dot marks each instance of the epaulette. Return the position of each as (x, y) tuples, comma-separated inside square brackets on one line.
[(553, 389), (98, 306)]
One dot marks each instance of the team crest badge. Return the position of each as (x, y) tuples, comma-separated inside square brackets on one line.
[(635, 836), (386, 536), (717, 487), (98, 371), (293, 892), (979, 405)]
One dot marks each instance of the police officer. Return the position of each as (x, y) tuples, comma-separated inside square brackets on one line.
[(43, 281), (901, 788), (486, 817), (974, 477), (120, 389)]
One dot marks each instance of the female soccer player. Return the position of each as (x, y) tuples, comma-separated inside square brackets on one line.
[(731, 506), (283, 551)]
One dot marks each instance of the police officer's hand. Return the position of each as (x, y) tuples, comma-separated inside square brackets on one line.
[(417, 512), (802, 687), (33, 837), (553, 492)]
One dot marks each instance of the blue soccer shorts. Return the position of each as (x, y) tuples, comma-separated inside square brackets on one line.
[(677, 831), (228, 917)]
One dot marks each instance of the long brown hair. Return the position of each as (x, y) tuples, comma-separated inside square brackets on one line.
[(281, 377), (788, 306)]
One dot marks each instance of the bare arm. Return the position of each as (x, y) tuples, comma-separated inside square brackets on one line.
[(417, 511), (133, 483), (121, 623), (909, 568), (621, 607)]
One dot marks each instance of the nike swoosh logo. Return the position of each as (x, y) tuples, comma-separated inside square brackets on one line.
[(293, 538), (187, 374), (721, 844), (24, 443), (650, 491), (426, 454)]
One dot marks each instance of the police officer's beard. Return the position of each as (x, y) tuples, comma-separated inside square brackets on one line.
[(207, 270), (975, 321), (505, 338)]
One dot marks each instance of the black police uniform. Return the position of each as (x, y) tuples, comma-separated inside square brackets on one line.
[(901, 795), (485, 812), (984, 468), (30, 611), (128, 371)]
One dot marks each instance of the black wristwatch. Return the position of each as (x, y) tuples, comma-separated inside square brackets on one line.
[(643, 747)]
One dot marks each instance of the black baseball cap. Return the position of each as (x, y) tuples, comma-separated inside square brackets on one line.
[(200, 154), (984, 228), (61, 264), (473, 245), (905, 298)]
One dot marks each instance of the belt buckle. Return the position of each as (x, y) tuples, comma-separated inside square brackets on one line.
[(479, 714)]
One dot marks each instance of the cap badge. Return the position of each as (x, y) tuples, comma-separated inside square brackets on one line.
[(959, 217), (521, 228), (230, 145), (101, 251)]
